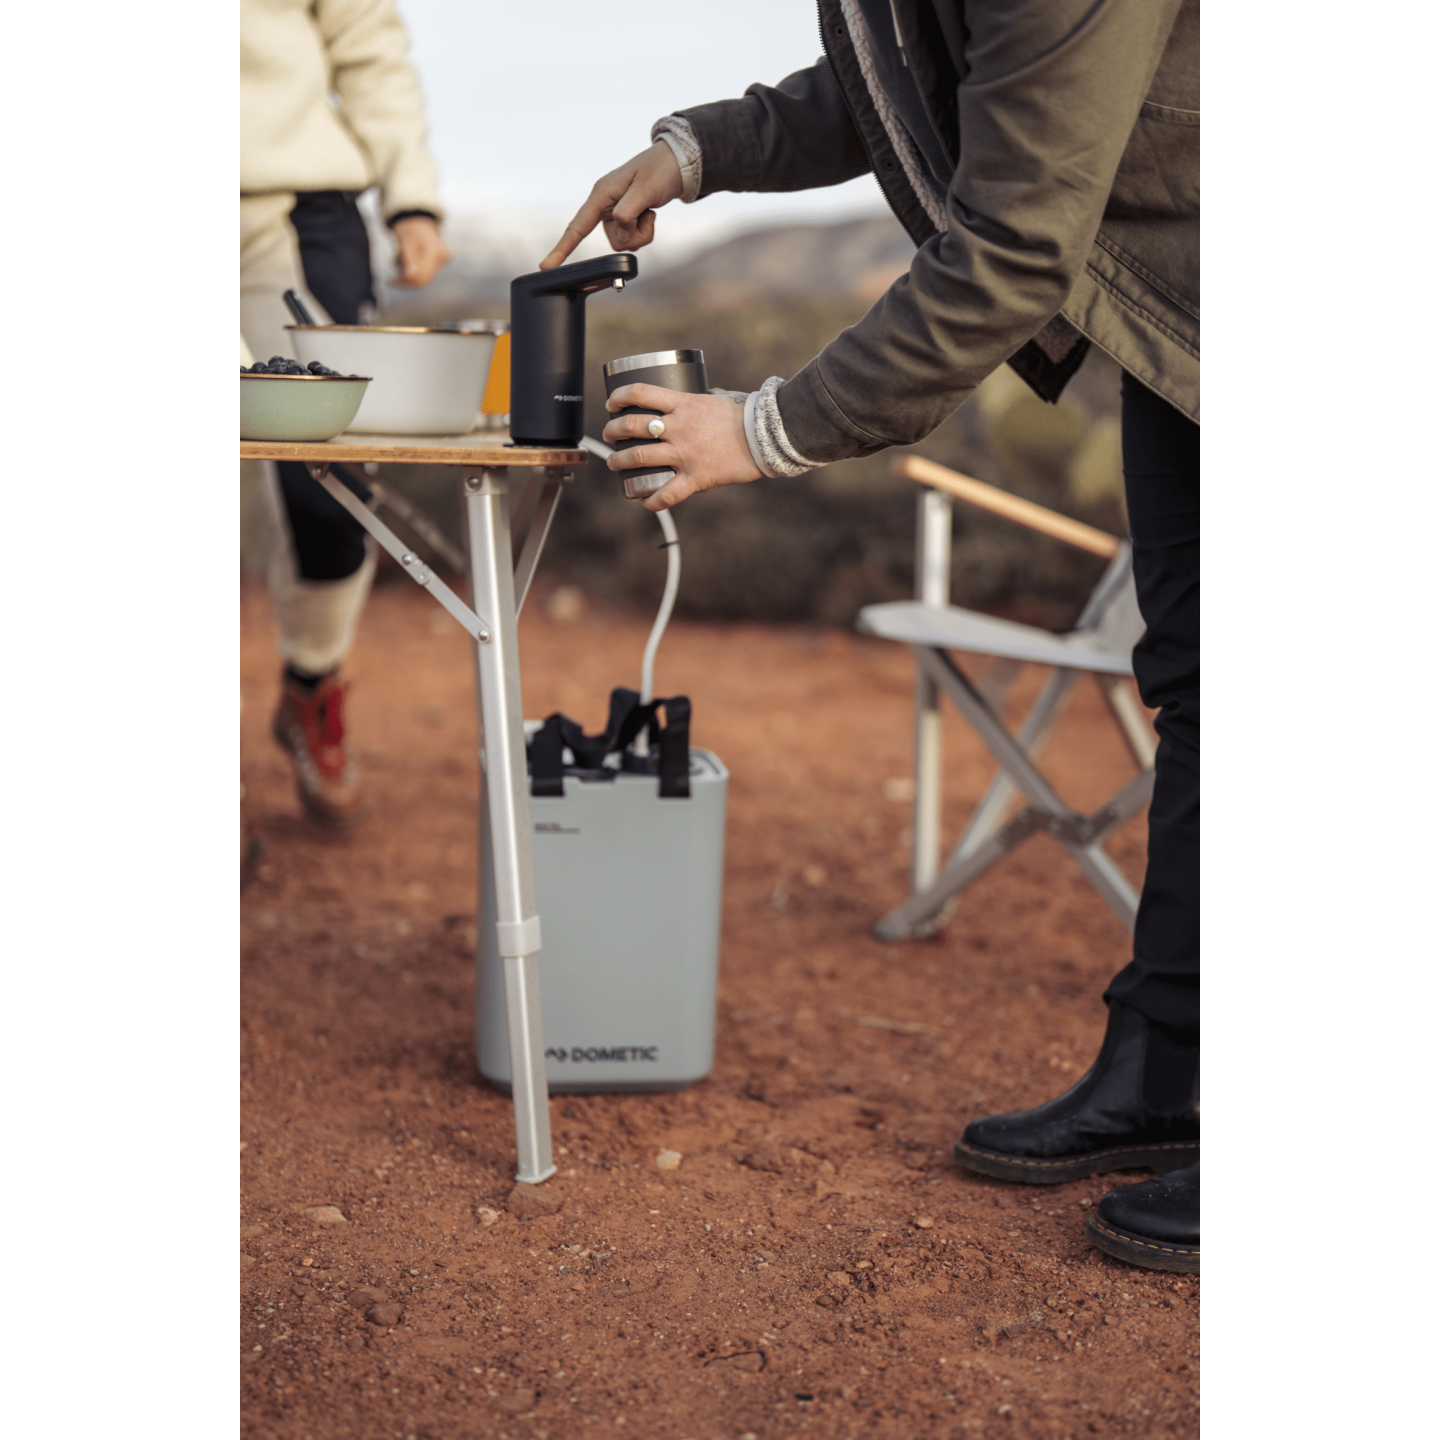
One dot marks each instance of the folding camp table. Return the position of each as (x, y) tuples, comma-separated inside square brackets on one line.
[(499, 581)]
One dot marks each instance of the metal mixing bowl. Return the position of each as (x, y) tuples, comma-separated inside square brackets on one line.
[(427, 382)]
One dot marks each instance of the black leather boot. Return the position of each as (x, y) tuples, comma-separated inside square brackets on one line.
[(1155, 1223), (1137, 1105)]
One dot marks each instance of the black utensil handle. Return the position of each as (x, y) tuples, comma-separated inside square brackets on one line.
[(297, 309)]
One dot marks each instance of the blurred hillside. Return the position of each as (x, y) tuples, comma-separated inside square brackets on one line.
[(854, 260), (819, 547)]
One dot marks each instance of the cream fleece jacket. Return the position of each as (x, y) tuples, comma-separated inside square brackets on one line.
[(293, 55)]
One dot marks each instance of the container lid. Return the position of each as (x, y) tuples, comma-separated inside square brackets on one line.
[(654, 357)]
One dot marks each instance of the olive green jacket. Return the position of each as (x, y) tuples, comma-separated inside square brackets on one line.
[(1070, 129)]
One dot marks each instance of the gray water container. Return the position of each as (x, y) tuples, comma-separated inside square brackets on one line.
[(628, 891)]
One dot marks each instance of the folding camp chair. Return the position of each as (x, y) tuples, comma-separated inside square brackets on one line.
[(1099, 645)]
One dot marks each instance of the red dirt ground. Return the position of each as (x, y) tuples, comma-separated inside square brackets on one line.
[(782, 1280)]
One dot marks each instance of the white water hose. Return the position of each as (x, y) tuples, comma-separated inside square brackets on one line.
[(672, 584)]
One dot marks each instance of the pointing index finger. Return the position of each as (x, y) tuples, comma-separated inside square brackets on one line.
[(587, 217), (572, 236)]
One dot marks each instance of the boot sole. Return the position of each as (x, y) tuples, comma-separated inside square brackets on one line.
[(1159, 1158), (1137, 1250), (328, 819)]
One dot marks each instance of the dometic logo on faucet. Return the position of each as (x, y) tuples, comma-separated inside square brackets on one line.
[(626, 1054), (567, 397)]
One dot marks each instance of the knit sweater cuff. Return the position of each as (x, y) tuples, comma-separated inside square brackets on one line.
[(675, 131), (770, 447)]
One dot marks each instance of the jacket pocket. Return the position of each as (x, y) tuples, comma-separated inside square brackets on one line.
[(1159, 174)]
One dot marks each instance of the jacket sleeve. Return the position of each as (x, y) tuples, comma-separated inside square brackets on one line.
[(380, 95), (1046, 107), (797, 135)]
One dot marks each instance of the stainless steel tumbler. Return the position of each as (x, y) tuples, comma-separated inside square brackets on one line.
[(673, 369)]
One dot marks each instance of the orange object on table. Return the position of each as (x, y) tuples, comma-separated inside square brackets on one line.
[(497, 387)]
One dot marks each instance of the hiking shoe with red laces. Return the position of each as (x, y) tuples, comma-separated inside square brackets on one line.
[(311, 726)]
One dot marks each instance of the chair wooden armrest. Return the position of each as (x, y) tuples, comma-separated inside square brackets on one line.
[(1001, 502)]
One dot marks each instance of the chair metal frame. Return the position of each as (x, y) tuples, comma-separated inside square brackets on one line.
[(1099, 645)]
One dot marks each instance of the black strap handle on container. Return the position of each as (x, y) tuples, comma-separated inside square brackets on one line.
[(627, 716)]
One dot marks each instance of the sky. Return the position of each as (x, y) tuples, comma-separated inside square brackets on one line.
[(531, 103)]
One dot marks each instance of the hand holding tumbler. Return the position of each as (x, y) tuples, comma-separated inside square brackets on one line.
[(671, 369)]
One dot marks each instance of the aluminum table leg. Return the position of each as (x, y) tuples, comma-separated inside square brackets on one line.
[(502, 728), (507, 795)]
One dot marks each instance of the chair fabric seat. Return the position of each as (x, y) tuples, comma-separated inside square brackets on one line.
[(947, 627)]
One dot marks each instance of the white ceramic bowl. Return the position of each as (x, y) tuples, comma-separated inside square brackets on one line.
[(426, 382), (298, 407)]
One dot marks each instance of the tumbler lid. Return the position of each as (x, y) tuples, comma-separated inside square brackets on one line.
[(654, 357)]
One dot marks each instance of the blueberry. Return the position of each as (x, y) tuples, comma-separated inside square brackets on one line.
[(315, 368), (259, 368)]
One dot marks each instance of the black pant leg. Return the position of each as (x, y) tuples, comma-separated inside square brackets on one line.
[(1162, 492), (329, 541), (335, 254)]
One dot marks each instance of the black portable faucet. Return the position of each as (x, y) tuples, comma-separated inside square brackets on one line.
[(547, 347)]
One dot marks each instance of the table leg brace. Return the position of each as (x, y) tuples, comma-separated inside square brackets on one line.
[(414, 567), (517, 925)]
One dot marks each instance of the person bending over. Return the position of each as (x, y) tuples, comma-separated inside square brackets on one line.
[(1044, 157)]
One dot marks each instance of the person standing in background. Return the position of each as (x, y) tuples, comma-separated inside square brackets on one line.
[(329, 107)]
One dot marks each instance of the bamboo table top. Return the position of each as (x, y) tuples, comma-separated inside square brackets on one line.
[(481, 447)]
